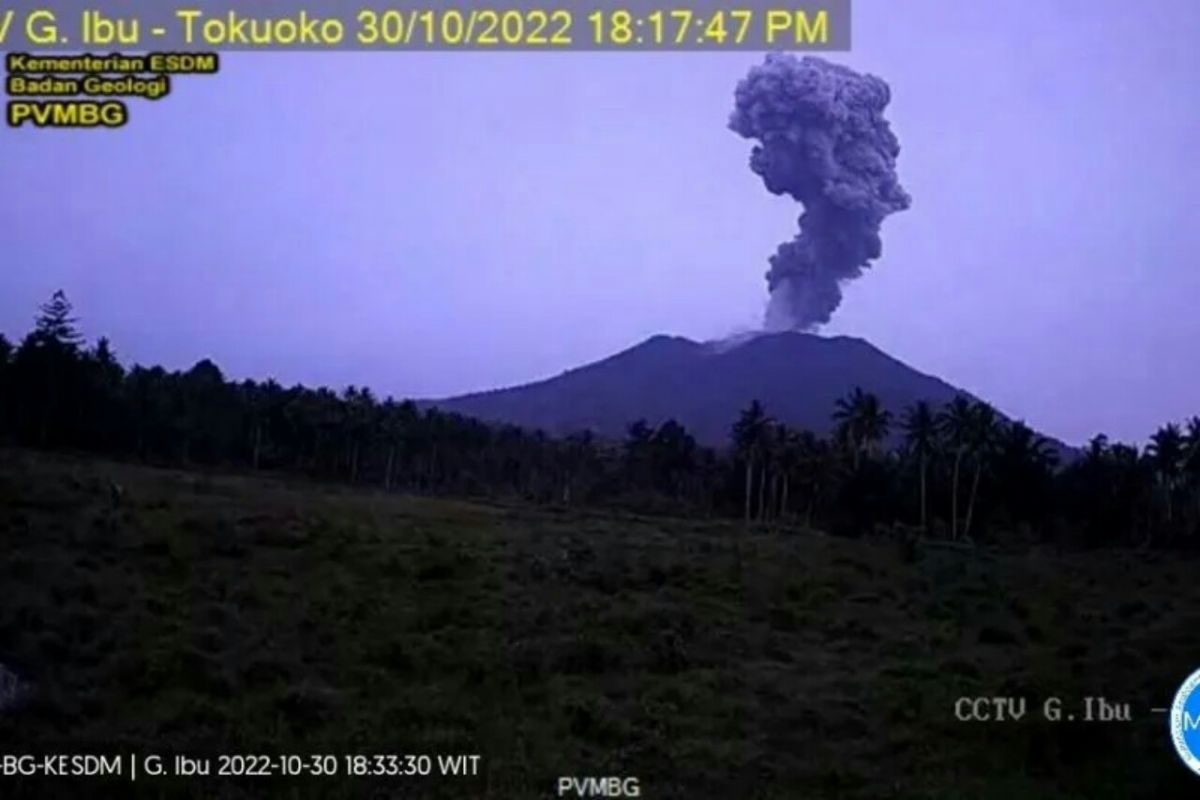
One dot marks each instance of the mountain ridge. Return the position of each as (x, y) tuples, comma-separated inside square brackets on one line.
[(704, 385)]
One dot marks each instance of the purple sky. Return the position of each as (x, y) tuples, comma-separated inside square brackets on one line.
[(429, 224)]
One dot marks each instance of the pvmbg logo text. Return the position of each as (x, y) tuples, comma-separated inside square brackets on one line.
[(1185, 722)]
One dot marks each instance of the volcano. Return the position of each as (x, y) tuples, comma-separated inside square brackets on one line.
[(704, 385)]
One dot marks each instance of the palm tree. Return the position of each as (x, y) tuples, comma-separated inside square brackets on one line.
[(6, 352), (1097, 448), (638, 456), (954, 424), (251, 399), (862, 421), (358, 415), (748, 434), (1023, 445), (982, 441), (1192, 458), (579, 456), (817, 467), (672, 455), (396, 422), (787, 455), (1193, 437), (845, 412), (1133, 485), (1191, 469), (921, 442), (1022, 469), (767, 457), (875, 422), (1166, 453)]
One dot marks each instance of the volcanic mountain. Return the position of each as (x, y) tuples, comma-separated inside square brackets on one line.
[(796, 376)]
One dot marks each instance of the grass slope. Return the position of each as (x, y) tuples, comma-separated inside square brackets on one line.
[(234, 614)]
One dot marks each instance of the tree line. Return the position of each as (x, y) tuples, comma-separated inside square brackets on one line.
[(960, 471)]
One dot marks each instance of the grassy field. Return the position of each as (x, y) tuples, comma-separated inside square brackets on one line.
[(224, 614)]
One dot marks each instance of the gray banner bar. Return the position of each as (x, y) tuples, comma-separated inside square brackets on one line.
[(211, 25)]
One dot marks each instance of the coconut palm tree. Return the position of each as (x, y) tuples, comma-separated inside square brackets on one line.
[(1166, 454), (1193, 434), (787, 458), (1192, 458), (1097, 448), (749, 433), (954, 424), (816, 467), (396, 423), (921, 441), (768, 462), (876, 422), (981, 442), (1190, 467), (359, 413), (1023, 446), (639, 458), (580, 458), (845, 414), (862, 422), (672, 453), (1023, 463)]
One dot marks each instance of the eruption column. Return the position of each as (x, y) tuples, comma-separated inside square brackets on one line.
[(823, 140)]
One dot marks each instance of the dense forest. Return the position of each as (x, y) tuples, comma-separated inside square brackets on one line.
[(960, 472)]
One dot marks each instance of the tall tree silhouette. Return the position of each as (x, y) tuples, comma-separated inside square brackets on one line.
[(954, 423), (749, 434), (57, 325), (1166, 452), (862, 422), (673, 452), (6, 385), (1023, 463), (788, 455), (981, 440), (103, 405), (921, 443), (639, 456), (48, 367), (580, 458), (1190, 467)]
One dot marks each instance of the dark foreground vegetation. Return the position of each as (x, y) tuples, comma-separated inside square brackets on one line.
[(207, 613), (956, 472), (190, 565)]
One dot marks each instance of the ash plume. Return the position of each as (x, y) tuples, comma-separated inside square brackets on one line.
[(823, 140)]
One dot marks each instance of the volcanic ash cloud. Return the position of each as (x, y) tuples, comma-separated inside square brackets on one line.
[(822, 139)]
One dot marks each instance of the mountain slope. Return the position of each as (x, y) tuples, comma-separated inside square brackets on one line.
[(796, 376)]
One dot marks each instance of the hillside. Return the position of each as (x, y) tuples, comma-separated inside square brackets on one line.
[(797, 376), (229, 614)]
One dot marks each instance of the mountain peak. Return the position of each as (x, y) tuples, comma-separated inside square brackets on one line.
[(664, 342), (797, 376)]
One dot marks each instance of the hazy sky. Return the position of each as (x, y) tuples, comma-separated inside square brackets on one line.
[(429, 224)]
